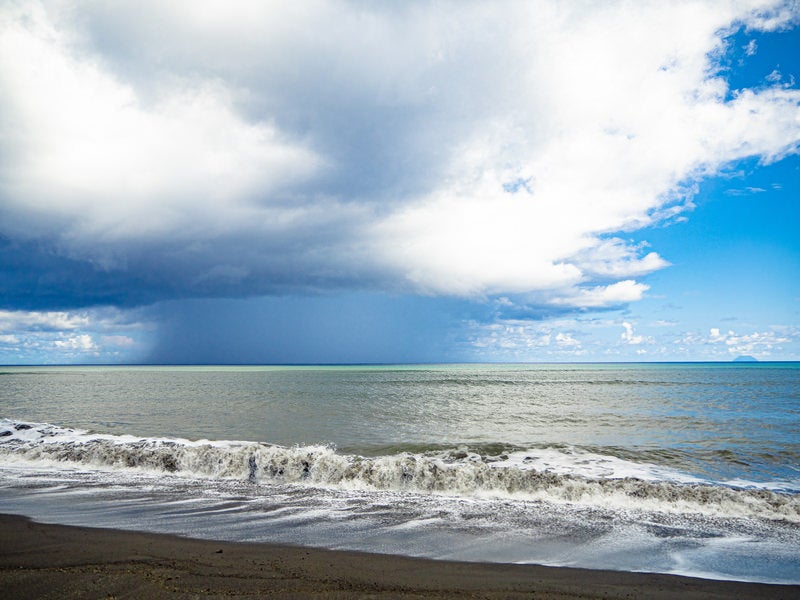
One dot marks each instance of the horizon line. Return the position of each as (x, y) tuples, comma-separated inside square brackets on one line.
[(388, 364)]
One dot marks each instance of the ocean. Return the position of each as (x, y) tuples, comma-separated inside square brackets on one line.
[(688, 468)]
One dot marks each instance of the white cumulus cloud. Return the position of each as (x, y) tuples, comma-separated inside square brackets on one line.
[(757, 343), (628, 335), (601, 296), (24, 320), (83, 343), (84, 147)]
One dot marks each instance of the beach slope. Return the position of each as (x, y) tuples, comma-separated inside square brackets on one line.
[(55, 561)]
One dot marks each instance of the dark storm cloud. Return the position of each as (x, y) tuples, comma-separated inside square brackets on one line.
[(36, 274), (345, 328)]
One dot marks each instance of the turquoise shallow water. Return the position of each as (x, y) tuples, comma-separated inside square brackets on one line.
[(689, 468)]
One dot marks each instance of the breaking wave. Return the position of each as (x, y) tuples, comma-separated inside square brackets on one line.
[(457, 471)]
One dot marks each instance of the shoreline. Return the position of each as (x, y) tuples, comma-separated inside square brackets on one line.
[(56, 561)]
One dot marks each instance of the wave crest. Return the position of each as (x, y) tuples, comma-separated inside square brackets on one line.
[(456, 472)]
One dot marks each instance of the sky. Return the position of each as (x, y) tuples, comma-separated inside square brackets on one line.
[(242, 181)]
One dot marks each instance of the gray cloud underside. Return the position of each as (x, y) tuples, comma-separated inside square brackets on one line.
[(172, 150)]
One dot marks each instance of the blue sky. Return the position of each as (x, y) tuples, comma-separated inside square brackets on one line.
[(326, 182)]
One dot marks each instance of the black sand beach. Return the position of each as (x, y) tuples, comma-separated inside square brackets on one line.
[(55, 561)]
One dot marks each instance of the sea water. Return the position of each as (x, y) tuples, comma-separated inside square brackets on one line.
[(676, 468)]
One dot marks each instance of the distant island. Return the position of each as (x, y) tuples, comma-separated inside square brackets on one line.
[(745, 358)]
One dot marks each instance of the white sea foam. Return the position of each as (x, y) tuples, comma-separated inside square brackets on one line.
[(548, 475), (592, 465)]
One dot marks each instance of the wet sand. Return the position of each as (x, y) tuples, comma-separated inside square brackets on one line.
[(56, 561)]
